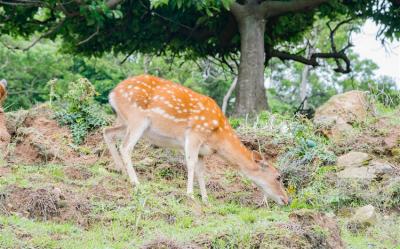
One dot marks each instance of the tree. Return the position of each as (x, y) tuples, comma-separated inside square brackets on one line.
[(194, 28)]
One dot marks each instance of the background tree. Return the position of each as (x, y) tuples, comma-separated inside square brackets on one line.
[(196, 29)]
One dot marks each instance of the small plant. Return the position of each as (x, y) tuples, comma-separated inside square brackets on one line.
[(79, 110)]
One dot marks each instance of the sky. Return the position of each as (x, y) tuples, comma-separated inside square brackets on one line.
[(386, 57)]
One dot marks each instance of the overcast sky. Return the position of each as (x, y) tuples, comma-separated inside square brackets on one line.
[(386, 57)]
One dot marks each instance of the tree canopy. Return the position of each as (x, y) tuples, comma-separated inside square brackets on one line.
[(197, 28)]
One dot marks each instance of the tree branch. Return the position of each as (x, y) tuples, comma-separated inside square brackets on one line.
[(236, 9), (49, 32), (339, 56), (90, 37), (113, 3), (276, 8)]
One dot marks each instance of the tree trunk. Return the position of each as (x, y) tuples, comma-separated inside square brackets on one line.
[(251, 94)]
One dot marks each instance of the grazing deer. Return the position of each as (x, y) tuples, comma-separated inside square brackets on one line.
[(3, 90), (171, 115)]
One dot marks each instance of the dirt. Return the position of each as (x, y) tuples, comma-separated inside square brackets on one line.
[(318, 228), (51, 203), (381, 138), (117, 190), (76, 173), (164, 243), (4, 171), (40, 139)]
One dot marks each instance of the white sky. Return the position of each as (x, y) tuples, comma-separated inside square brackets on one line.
[(386, 57)]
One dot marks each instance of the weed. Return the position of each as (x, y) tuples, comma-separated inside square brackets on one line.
[(80, 111)]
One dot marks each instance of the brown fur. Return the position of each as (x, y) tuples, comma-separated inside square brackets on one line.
[(173, 115)]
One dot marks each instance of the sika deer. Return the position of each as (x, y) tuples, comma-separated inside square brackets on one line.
[(3, 90), (171, 115)]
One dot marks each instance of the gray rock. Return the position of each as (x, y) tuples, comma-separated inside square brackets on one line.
[(353, 159), (357, 173), (382, 167), (365, 216)]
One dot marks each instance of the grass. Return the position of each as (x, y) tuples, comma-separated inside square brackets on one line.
[(158, 208), (123, 217), (146, 216)]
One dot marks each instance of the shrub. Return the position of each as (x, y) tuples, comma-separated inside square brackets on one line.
[(79, 110), (299, 150)]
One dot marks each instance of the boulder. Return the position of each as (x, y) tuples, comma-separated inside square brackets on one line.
[(363, 167), (353, 159), (336, 116), (365, 216)]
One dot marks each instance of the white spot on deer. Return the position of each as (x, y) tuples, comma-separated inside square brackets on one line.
[(158, 110), (129, 86), (202, 118), (215, 122)]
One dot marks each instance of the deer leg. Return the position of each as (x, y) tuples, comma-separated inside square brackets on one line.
[(133, 134), (110, 135), (200, 179), (192, 147)]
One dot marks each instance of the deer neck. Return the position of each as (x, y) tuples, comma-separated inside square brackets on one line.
[(232, 149)]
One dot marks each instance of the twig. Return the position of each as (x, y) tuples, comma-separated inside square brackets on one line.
[(90, 37), (51, 31)]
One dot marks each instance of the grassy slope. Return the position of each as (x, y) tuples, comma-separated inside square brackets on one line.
[(122, 217), (158, 209)]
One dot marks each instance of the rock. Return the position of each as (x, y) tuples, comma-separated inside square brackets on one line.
[(353, 159), (320, 229), (357, 173), (381, 167), (365, 216), (336, 116), (373, 169)]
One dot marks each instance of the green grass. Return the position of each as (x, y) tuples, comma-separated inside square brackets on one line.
[(160, 208)]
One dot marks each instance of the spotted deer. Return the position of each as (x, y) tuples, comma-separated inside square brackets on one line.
[(3, 90), (171, 115)]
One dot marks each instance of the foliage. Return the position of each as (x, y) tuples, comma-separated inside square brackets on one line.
[(159, 26), (79, 110), (27, 72), (301, 150)]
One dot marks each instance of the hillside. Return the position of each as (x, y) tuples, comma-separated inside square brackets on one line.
[(342, 172)]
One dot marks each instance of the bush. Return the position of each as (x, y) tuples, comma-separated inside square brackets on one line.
[(299, 150), (79, 110)]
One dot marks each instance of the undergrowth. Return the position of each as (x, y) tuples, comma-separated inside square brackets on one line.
[(301, 150), (79, 110)]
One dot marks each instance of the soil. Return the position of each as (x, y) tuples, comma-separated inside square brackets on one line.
[(46, 203), (381, 138), (39, 139), (76, 173)]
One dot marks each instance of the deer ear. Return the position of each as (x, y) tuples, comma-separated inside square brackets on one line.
[(257, 157), (3, 82)]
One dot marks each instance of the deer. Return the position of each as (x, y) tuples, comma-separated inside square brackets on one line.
[(3, 90), (170, 115)]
